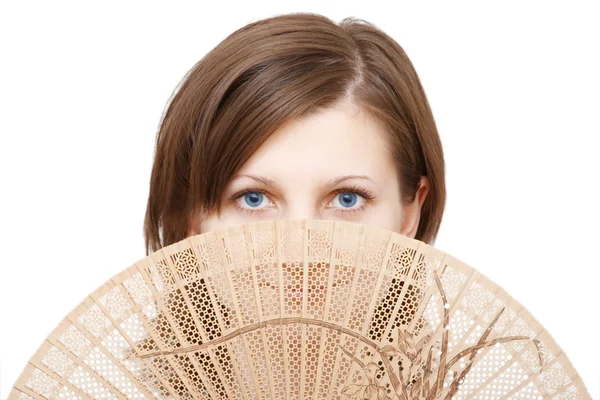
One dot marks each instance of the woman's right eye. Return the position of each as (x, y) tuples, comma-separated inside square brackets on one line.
[(251, 200)]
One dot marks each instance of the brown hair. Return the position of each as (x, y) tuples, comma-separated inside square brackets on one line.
[(273, 70)]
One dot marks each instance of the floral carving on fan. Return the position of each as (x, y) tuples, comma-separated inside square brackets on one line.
[(418, 382), (429, 368)]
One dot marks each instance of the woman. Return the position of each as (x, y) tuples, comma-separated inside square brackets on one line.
[(298, 81), (292, 117)]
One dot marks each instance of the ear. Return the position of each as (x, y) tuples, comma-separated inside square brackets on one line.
[(412, 212)]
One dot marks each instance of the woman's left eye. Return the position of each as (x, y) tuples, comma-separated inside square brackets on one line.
[(348, 198), (345, 197)]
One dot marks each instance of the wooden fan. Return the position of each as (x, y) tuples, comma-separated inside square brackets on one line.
[(298, 309)]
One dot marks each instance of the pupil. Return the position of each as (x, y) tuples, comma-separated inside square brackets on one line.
[(348, 198), (254, 197)]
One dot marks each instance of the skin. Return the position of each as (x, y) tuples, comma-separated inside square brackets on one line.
[(300, 157)]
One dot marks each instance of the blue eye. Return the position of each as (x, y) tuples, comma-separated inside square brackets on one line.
[(348, 199), (253, 199)]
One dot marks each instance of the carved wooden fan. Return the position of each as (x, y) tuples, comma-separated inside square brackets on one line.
[(299, 309)]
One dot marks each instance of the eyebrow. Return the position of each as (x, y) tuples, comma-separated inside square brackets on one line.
[(332, 182)]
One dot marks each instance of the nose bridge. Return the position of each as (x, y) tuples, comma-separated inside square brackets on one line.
[(301, 206)]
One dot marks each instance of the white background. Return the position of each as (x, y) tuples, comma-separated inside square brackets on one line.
[(514, 89)]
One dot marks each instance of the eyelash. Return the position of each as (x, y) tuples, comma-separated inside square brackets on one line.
[(366, 194)]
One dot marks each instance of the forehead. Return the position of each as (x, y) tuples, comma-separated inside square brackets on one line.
[(337, 141)]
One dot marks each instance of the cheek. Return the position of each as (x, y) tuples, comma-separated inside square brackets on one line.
[(227, 219), (209, 224), (388, 217)]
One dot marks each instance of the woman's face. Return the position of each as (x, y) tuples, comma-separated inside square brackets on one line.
[(331, 165)]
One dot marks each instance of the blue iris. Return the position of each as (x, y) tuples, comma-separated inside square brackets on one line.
[(348, 197), (254, 198)]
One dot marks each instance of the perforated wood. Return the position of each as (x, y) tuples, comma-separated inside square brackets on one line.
[(298, 309)]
